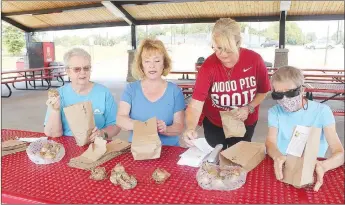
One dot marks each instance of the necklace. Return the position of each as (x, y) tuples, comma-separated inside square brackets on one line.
[(228, 71)]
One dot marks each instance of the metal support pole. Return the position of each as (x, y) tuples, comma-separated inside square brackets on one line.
[(133, 37), (282, 29)]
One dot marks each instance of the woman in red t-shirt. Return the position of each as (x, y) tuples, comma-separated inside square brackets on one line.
[(231, 77)]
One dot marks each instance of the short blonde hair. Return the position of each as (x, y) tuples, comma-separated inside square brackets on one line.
[(226, 33), (147, 48), (76, 52), (288, 73)]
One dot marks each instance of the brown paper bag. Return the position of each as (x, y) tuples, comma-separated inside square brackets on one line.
[(298, 171), (12, 144), (113, 149), (96, 150), (12, 147), (146, 143), (232, 127), (246, 154), (81, 121)]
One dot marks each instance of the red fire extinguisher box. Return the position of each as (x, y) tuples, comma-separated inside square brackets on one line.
[(40, 54)]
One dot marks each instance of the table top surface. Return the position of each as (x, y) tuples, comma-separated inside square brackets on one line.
[(309, 87), (183, 72), (32, 69), (314, 70), (26, 182)]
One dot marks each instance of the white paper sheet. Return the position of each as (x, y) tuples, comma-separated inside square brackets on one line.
[(202, 145), (298, 141), (194, 156)]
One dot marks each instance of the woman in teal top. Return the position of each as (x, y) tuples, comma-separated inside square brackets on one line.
[(152, 96), (292, 110), (81, 89)]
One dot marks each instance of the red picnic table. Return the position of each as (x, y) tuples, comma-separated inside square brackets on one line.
[(185, 74), (315, 70), (319, 75), (335, 89), (27, 75), (26, 182)]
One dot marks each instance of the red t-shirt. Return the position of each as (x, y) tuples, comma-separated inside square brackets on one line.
[(213, 85)]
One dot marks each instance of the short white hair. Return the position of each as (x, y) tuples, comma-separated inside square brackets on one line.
[(288, 73), (76, 52)]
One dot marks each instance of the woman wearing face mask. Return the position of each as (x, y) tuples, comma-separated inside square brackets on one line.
[(81, 89), (152, 96), (231, 77), (292, 110)]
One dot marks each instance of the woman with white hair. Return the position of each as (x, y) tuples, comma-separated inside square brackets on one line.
[(81, 89), (292, 110), (231, 77)]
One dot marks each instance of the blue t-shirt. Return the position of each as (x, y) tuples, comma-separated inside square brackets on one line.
[(103, 106), (164, 108), (317, 115)]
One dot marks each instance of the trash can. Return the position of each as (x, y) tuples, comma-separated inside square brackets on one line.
[(199, 62), (20, 64)]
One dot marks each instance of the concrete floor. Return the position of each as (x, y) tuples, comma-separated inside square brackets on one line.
[(25, 110)]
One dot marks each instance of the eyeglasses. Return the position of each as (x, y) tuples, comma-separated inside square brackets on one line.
[(78, 69), (289, 94)]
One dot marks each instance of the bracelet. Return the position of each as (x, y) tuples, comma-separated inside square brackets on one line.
[(250, 108), (105, 135)]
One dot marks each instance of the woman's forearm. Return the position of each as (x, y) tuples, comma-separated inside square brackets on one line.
[(259, 97), (112, 130), (125, 122), (53, 127), (272, 150), (336, 160), (174, 130), (193, 113)]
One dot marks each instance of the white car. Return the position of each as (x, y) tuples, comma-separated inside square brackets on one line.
[(322, 43)]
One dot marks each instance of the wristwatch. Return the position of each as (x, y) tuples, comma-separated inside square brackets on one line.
[(250, 108)]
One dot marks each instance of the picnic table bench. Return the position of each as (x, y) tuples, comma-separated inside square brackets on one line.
[(30, 76)]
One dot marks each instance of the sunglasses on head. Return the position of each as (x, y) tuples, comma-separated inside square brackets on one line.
[(289, 94), (78, 69)]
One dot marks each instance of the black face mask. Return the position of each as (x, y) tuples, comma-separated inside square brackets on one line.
[(289, 94)]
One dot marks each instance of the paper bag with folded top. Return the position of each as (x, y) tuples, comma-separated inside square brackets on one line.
[(81, 121), (298, 171), (145, 142), (98, 153), (232, 127), (246, 154), (12, 146)]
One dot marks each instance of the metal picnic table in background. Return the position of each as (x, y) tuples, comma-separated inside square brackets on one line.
[(26, 182), (185, 74), (319, 75), (30, 76)]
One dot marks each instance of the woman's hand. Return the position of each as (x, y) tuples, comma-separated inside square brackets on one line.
[(95, 133), (161, 126), (320, 172), (188, 136), (242, 113), (278, 166), (54, 102)]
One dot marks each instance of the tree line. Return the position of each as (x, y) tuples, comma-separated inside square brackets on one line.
[(14, 41)]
